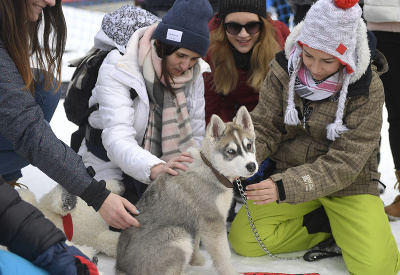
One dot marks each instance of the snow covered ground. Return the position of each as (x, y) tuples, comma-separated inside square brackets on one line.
[(41, 184)]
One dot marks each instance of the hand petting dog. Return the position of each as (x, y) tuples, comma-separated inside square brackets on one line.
[(175, 162)]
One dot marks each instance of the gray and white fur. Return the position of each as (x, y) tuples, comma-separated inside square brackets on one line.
[(179, 211)]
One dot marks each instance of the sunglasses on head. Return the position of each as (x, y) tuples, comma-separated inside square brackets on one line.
[(235, 28)]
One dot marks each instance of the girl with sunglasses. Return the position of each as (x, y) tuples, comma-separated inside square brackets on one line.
[(319, 119), (243, 40)]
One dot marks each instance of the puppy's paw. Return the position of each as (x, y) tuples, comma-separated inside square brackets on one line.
[(197, 260)]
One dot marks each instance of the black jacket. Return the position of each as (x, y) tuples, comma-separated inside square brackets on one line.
[(23, 228)]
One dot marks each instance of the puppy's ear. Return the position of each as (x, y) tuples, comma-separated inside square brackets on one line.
[(243, 119), (216, 127)]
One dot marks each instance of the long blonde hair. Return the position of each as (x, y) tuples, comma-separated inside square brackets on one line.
[(225, 74), (42, 41)]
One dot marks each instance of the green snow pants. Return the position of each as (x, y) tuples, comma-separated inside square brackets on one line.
[(358, 223)]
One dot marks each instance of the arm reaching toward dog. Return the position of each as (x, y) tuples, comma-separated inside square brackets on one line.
[(175, 162), (114, 209), (263, 192), (114, 212)]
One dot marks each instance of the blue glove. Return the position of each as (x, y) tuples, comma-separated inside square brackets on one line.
[(61, 259)]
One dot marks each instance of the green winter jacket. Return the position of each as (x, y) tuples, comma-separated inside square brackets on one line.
[(308, 165)]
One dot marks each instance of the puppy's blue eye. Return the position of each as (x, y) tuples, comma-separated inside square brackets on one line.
[(231, 151)]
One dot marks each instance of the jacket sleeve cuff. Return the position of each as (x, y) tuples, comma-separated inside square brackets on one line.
[(95, 194)]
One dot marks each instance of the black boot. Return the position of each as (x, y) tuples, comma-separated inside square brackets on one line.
[(325, 249)]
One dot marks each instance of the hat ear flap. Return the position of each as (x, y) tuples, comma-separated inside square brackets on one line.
[(335, 129), (291, 115), (363, 52)]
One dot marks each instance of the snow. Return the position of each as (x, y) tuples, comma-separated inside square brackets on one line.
[(40, 184)]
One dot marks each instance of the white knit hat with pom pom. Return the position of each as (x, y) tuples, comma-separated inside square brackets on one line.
[(334, 27)]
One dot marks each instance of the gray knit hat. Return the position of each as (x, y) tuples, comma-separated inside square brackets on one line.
[(226, 7), (185, 25), (334, 27)]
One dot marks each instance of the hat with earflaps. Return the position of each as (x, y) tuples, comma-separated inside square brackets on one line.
[(334, 27)]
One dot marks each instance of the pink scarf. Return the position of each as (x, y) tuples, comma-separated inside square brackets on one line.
[(306, 87)]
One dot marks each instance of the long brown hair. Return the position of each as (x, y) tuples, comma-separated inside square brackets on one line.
[(163, 50), (38, 44), (224, 72)]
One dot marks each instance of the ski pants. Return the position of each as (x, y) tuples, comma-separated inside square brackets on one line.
[(358, 224)]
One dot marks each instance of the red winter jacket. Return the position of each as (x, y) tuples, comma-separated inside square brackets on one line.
[(227, 106)]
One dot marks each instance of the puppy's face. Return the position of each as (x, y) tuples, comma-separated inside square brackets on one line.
[(233, 152), (236, 156)]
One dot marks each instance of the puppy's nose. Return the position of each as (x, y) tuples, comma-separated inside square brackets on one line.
[(251, 167)]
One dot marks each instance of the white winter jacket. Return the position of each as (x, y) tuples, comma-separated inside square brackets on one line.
[(123, 120), (382, 10)]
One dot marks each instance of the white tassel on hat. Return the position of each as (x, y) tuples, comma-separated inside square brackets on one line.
[(291, 115), (335, 129)]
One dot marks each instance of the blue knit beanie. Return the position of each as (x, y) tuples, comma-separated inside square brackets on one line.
[(185, 25)]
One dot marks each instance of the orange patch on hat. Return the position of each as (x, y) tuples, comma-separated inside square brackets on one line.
[(341, 49)]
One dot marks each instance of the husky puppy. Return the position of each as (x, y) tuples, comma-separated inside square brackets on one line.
[(178, 211)]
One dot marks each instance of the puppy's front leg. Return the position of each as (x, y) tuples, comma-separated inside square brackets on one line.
[(197, 258), (215, 240)]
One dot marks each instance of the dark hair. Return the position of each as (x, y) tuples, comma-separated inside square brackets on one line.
[(163, 50), (21, 38)]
